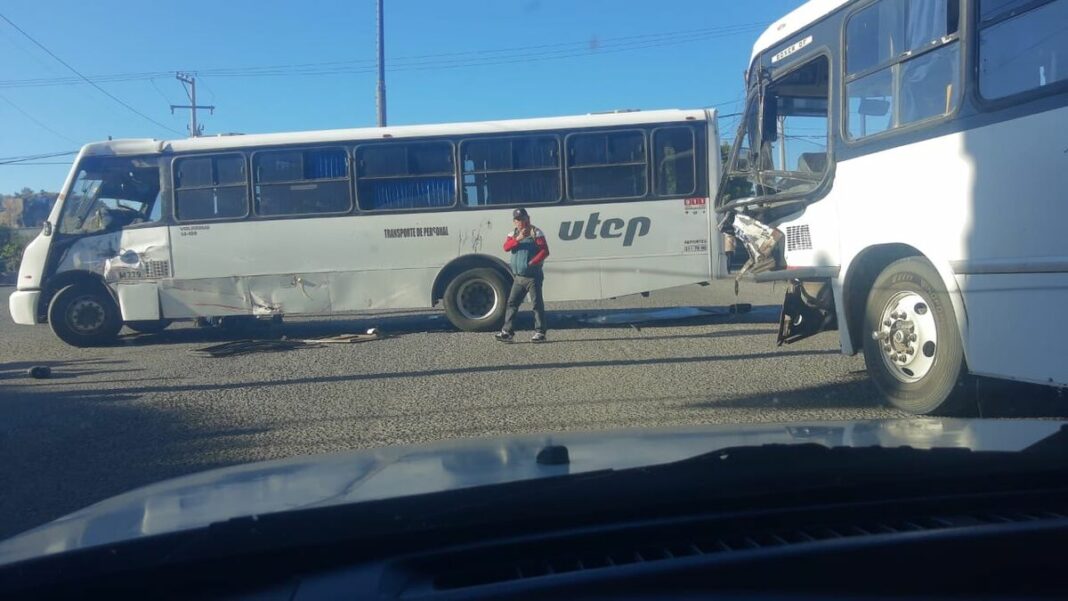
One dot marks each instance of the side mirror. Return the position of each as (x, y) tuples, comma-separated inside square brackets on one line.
[(741, 164), (873, 107), (46, 228)]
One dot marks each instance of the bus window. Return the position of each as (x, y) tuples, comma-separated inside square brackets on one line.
[(301, 182), (511, 171), (210, 188), (607, 165), (902, 63), (110, 194), (1021, 51), (673, 152), (405, 175)]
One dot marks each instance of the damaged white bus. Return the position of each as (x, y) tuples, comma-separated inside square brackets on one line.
[(905, 164), (146, 232)]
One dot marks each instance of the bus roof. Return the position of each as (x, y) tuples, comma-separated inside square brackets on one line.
[(795, 21), (334, 136)]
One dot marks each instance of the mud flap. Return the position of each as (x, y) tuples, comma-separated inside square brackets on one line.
[(807, 310)]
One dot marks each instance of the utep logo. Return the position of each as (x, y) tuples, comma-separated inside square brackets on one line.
[(609, 228)]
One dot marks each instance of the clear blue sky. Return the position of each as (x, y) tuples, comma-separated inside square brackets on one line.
[(455, 60)]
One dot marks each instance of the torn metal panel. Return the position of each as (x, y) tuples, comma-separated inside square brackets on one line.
[(763, 242)]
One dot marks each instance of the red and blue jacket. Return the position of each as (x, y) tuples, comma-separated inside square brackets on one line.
[(529, 253)]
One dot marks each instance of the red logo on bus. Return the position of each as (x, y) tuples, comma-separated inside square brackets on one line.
[(695, 202)]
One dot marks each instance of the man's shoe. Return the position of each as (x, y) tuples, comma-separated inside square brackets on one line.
[(538, 337), (504, 336)]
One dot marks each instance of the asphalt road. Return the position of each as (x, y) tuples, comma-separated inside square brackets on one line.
[(152, 407)]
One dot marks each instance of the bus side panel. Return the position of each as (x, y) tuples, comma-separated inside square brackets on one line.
[(1016, 330), (381, 289)]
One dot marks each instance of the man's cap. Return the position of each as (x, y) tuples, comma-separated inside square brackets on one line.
[(520, 214)]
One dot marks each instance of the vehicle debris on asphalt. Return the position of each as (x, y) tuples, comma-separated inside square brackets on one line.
[(247, 347)]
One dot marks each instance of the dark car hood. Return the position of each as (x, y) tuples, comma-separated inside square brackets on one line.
[(302, 482)]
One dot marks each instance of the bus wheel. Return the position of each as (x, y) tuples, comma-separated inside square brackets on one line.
[(912, 346), (475, 300), (84, 315), (149, 326)]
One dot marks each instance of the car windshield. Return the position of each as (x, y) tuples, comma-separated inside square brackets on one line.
[(399, 248)]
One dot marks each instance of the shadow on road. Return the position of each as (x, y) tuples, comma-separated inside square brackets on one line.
[(65, 449), (396, 324)]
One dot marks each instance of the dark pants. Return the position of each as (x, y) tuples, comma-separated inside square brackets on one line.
[(521, 286)]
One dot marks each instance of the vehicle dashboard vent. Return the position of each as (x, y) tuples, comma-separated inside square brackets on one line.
[(543, 561)]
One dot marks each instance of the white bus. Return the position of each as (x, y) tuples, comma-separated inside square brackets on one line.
[(146, 231), (905, 164)]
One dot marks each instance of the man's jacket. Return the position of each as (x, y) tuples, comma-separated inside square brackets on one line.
[(529, 253)]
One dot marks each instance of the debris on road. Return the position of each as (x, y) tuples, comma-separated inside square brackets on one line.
[(246, 347), (633, 317), (39, 372)]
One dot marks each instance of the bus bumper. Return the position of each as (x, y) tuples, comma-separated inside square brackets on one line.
[(23, 306)]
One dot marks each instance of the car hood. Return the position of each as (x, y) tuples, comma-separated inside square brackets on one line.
[(303, 482)]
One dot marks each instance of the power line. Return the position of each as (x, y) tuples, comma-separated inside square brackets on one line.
[(448, 60), (86, 79), (34, 119), (35, 157)]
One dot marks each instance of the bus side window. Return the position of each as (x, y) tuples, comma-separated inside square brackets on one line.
[(301, 182), (1023, 52), (607, 165), (210, 188), (673, 152), (902, 64), (520, 170), (405, 175)]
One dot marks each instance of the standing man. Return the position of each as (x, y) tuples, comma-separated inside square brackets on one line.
[(529, 251)]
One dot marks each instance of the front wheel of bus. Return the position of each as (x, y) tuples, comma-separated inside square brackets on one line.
[(912, 346), (84, 315), (475, 300)]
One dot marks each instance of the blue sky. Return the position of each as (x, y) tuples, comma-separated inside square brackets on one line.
[(455, 60)]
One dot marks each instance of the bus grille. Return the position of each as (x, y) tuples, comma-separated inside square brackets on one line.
[(798, 238)]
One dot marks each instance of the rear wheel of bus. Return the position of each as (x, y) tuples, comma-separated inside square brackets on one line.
[(912, 345), (475, 300), (84, 314)]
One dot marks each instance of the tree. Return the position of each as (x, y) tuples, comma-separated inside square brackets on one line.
[(11, 248)]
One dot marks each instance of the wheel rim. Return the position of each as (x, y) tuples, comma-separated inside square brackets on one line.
[(86, 315), (907, 336), (477, 299)]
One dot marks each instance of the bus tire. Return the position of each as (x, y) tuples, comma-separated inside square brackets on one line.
[(475, 300), (912, 345), (149, 326), (84, 314)]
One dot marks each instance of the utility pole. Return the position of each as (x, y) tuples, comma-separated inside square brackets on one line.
[(380, 97), (191, 91)]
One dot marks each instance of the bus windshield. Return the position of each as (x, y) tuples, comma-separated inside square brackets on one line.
[(112, 193), (782, 145)]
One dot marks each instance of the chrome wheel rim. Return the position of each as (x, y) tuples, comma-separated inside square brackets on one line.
[(907, 336)]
